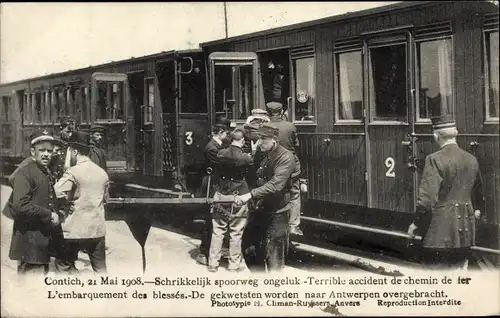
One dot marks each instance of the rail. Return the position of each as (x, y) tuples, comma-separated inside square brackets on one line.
[(387, 232)]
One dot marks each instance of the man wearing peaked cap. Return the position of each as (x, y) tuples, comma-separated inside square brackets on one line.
[(219, 140), (86, 186), (68, 125), (32, 208), (97, 153), (288, 139), (272, 194), (449, 198)]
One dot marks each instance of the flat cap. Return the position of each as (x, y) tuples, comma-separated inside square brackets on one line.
[(41, 135), (274, 106), (259, 111), (445, 121), (223, 122), (97, 128), (67, 119), (268, 131)]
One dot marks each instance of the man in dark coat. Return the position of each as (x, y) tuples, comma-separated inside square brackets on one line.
[(228, 217), (273, 196), (68, 125), (449, 199), (33, 209), (219, 136), (97, 154), (288, 139)]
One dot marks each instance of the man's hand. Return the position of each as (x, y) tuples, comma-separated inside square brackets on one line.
[(477, 214), (242, 199), (54, 218), (411, 229)]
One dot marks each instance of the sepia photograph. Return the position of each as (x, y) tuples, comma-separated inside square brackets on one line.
[(250, 159)]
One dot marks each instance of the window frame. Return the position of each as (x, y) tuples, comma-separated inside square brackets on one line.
[(147, 82), (340, 47), (302, 52), (486, 71), (386, 40), (427, 121)]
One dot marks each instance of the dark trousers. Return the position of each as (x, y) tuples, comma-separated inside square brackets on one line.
[(206, 235), (68, 254), (444, 258), (265, 241), (24, 268)]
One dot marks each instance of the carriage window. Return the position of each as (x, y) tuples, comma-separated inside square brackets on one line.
[(6, 102), (491, 68), (387, 82), (194, 90), (233, 91), (84, 103), (349, 88), (435, 78), (148, 109), (110, 100), (38, 108), (46, 107), (305, 97)]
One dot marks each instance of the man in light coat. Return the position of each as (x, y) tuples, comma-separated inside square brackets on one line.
[(86, 185)]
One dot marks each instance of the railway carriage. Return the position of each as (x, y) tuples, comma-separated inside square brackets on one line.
[(360, 87)]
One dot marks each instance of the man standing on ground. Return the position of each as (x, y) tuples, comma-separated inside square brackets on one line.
[(288, 139), (86, 185), (97, 153), (33, 209), (450, 197), (273, 194)]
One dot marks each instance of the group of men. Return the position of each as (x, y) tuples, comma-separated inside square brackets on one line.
[(259, 167), (58, 199)]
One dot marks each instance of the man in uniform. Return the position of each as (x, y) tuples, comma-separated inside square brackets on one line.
[(97, 154), (68, 126), (219, 138), (288, 139), (449, 199), (273, 194), (228, 217), (33, 209), (86, 185)]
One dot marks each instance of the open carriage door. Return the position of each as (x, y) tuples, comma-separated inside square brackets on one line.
[(389, 123), (233, 85), (111, 108)]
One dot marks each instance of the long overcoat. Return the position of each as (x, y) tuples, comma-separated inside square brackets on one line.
[(450, 191), (32, 207)]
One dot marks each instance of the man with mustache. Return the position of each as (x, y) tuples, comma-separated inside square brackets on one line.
[(33, 208), (97, 153)]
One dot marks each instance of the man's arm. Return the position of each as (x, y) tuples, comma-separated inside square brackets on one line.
[(22, 201), (282, 173), (428, 190)]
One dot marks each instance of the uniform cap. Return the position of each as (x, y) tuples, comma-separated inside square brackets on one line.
[(274, 106), (445, 121), (267, 130), (97, 128), (259, 111), (40, 136)]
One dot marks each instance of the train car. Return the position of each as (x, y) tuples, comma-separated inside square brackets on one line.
[(361, 88), (146, 103)]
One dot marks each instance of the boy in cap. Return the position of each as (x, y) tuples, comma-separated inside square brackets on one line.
[(97, 154), (273, 192), (449, 199), (288, 139), (85, 185), (230, 218), (33, 208)]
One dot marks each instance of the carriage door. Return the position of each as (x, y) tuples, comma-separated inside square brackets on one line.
[(110, 108), (233, 85), (192, 115), (389, 125)]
